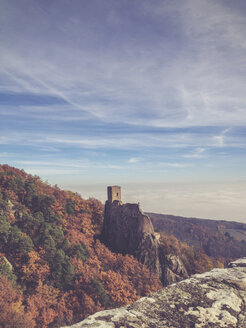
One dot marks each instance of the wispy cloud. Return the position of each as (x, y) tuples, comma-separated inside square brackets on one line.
[(4, 155), (53, 167), (133, 160), (220, 140), (175, 165), (197, 153), (171, 86), (156, 85), (138, 141)]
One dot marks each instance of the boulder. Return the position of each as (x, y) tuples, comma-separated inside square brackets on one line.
[(173, 269)]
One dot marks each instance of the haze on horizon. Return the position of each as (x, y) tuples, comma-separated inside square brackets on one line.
[(145, 94)]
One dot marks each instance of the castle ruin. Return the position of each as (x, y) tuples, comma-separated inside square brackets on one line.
[(114, 193), (128, 230)]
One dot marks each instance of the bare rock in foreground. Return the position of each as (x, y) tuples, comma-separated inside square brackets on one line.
[(210, 300)]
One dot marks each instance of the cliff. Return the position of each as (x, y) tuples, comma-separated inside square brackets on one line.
[(127, 230), (214, 299)]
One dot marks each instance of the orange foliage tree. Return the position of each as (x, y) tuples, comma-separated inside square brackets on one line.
[(12, 314)]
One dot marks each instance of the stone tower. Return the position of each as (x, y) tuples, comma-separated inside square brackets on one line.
[(114, 193)]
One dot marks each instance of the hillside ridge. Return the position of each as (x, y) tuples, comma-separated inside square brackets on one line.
[(216, 238)]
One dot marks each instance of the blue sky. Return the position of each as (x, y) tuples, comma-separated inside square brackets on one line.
[(146, 94)]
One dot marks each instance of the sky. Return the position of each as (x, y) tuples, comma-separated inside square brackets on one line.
[(149, 95)]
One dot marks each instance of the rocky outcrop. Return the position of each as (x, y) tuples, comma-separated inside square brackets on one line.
[(173, 269), (127, 230), (210, 300), (4, 262)]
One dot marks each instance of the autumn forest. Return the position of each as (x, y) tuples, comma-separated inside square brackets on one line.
[(54, 270)]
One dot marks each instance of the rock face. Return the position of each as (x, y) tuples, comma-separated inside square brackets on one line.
[(173, 269), (210, 300), (127, 230)]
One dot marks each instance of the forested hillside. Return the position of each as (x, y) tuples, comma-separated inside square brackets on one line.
[(223, 240), (53, 268), (55, 271)]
